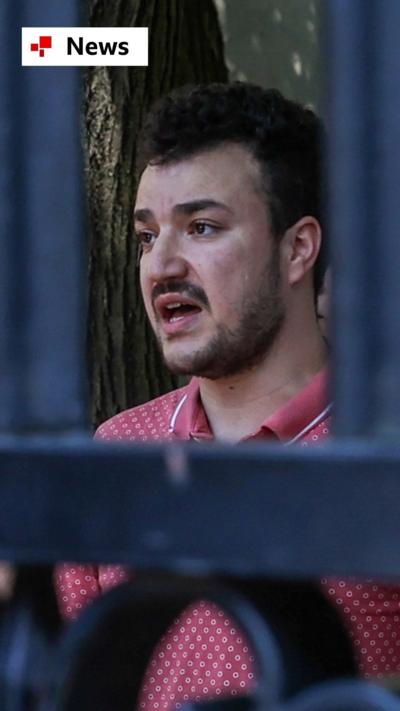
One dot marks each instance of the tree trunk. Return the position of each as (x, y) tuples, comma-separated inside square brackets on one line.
[(185, 46)]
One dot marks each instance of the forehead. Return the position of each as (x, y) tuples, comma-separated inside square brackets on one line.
[(227, 174)]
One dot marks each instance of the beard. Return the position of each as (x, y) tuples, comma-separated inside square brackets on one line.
[(234, 351)]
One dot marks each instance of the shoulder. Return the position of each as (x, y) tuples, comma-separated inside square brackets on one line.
[(150, 421)]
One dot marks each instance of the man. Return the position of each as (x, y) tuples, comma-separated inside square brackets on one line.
[(228, 220)]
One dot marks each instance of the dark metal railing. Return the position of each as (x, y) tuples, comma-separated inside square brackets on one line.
[(42, 246), (337, 512), (363, 105), (84, 500)]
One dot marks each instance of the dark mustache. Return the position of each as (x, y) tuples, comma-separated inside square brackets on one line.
[(180, 287)]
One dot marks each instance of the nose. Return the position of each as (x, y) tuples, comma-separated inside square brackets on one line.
[(165, 260)]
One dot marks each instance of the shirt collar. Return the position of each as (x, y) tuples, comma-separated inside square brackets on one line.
[(302, 412), (288, 424), (189, 420)]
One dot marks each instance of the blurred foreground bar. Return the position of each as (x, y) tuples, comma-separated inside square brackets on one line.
[(42, 250), (363, 58), (244, 511)]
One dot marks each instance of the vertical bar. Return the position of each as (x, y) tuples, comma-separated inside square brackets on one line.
[(364, 211), (351, 192), (42, 250), (9, 110), (387, 109)]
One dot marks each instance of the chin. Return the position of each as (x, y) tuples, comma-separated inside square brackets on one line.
[(194, 365), (181, 357), (179, 364)]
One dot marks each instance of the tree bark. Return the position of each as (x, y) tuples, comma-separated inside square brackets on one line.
[(185, 46)]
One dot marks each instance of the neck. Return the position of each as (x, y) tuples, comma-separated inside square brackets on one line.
[(237, 405)]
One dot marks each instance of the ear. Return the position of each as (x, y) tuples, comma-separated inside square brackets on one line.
[(302, 245)]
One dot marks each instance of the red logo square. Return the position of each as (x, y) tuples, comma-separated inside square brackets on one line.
[(45, 42)]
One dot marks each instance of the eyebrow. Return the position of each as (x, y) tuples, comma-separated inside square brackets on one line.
[(143, 215), (184, 208), (187, 208)]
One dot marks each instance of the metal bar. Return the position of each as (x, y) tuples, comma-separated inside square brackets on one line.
[(386, 286), (42, 243), (257, 511), (363, 56), (349, 41)]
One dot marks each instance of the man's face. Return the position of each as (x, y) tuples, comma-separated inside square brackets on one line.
[(209, 270)]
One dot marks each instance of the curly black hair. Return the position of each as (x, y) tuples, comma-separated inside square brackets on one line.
[(282, 135)]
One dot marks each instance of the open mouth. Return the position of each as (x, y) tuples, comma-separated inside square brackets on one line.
[(177, 311)]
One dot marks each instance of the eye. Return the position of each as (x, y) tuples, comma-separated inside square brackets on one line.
[(200, 227), (145, 240)]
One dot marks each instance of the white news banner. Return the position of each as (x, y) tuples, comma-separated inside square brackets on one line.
[(84, 46)]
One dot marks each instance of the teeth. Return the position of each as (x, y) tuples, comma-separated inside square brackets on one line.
[(176, 305), (173, 319)]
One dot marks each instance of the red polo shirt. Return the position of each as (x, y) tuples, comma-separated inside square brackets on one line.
[(205, 654)]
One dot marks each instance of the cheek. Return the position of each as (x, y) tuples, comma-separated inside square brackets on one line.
[(227, 276), (142, 281), (145, 287), (228, 263)]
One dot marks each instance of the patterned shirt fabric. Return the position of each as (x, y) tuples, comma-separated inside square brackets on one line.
[(371, 614), (204, 654)]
